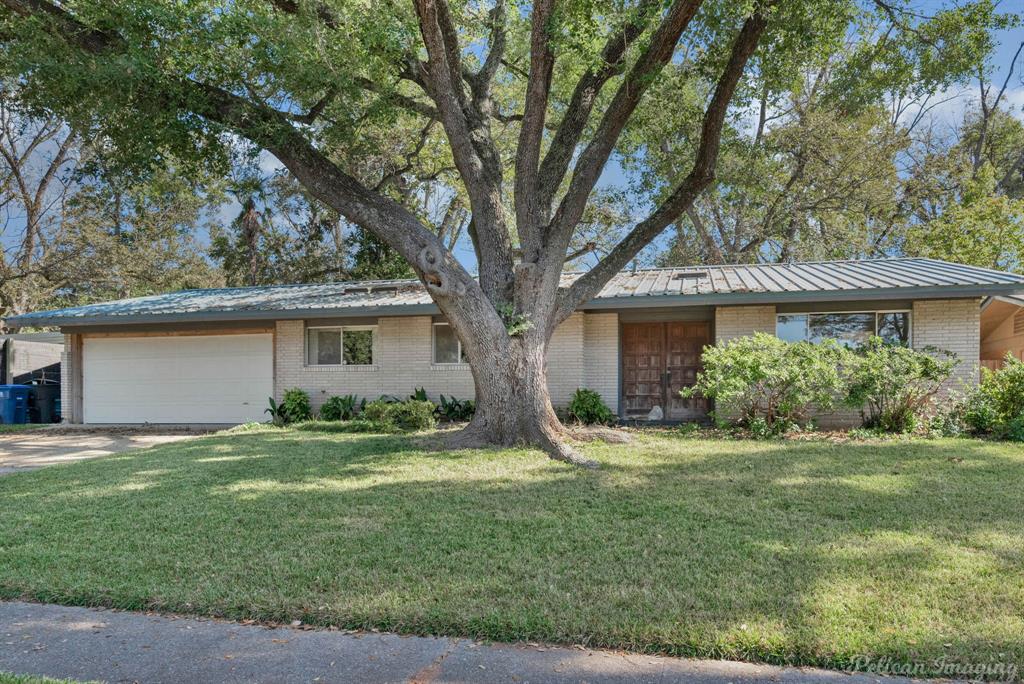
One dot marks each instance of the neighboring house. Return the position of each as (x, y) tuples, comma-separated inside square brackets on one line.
[(27, 358), (216, 355), (1002, 330)]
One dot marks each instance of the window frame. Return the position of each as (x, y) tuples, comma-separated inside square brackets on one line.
[(341, 332), (433, 347), (876, 312)]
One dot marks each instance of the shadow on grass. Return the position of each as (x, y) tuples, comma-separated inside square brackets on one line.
[(808, 553)]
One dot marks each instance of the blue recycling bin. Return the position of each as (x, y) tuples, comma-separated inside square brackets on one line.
[(14, 403)]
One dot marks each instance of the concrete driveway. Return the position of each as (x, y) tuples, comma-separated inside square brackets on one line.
[(48, 446)]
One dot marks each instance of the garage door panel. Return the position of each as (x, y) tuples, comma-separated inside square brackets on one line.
[(183, 379)]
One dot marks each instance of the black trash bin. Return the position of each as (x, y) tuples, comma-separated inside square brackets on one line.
[(44, 406)]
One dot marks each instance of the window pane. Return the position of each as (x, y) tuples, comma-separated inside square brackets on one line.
[(324, 347), (358, 347), (850, 329), (894, 328), (791, 328), (446, 345)]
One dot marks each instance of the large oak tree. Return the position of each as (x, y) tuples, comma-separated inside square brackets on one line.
[(529, 102)]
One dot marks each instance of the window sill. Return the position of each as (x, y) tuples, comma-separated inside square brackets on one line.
[(449, 367), (342, 369)]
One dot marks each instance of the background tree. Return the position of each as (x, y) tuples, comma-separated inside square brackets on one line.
[(73, 233), (334, 92), (964, 191), (815, 167)]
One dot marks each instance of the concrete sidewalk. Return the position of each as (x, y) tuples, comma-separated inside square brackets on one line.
[(113, 646)]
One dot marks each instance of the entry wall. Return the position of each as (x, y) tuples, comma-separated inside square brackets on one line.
[(583, 353), (955, 326), (950, 324)]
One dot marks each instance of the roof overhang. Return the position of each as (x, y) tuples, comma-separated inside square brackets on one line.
[(600, 304)]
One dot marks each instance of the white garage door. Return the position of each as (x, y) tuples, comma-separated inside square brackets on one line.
[(176, 379)]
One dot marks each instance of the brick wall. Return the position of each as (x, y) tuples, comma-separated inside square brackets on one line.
[(953, 325), (65, 381), (601, 358), (949, 324), (403, 361), (739, 321)]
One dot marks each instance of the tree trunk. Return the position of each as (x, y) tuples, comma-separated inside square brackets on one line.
[(513, 407)]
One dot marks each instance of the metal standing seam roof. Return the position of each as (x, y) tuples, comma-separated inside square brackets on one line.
[(689, 286)]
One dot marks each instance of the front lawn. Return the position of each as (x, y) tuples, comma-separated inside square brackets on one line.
[(788, 552), (20, 427)]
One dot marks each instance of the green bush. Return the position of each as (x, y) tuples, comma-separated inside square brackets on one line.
[(453, 410), (295, 406), (996, 406), (403, 415), (768, 384), (1014, 430), (342, 408), (588, 408), (894, 386), (1003, 389)]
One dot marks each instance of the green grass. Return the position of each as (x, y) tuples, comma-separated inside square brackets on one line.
[(786, 552), (19, 427), (8, 678)]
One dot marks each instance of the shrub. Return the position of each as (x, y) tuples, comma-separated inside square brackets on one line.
[(295, 406), (763, 377), (996, 406), (342, 408), (419, 394), (893, 386), (452, 409), (1004, 389), (276, 412), (402, 415), (1014, 430), (588, 408)]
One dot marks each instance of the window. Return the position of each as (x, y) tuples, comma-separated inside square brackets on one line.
[(850, 329), (447, 347), (345, 346)]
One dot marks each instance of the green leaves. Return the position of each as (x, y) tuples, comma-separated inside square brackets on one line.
[(893, 385), (766, 379)]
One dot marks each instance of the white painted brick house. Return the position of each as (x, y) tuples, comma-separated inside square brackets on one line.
[(214, 356)]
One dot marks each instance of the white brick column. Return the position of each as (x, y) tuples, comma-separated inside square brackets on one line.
[(953, 325), (601, 356), (565, 360), (740, 321)]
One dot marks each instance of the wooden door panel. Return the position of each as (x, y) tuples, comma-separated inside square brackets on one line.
[(684, 342), (643, 367)]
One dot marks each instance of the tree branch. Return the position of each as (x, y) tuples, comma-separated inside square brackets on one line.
[(473, 150), (481, 81), (317, 109), (324, 13), (410, 104), (574, 121), (531, 131), (701, 175), (595, 156)]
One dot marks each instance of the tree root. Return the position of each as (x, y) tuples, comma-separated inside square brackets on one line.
[(598, 433), (478, 437)]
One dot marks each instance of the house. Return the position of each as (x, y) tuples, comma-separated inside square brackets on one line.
[(214, 356), (30, 357), (1002, 330)]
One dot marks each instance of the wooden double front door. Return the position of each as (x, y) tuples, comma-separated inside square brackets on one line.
[(658, 360)]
